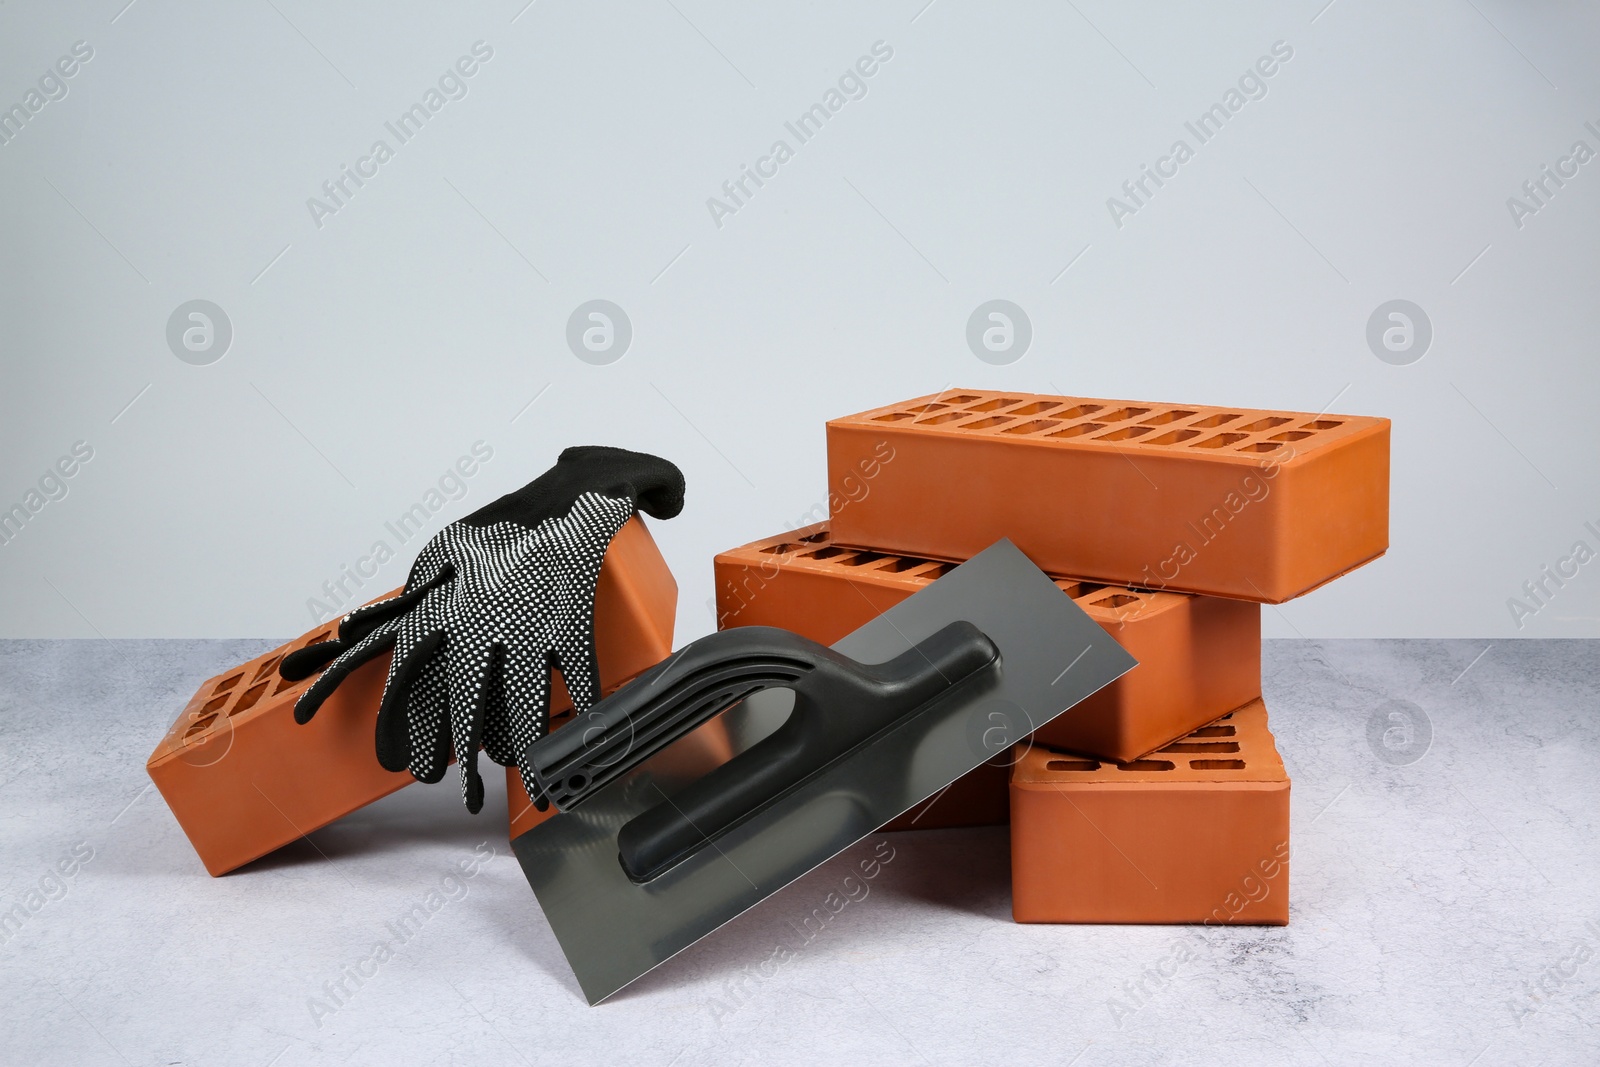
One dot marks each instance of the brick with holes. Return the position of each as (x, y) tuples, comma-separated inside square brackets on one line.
[(1228, 502), (1196, 832), (1198, 656), (243, 778)]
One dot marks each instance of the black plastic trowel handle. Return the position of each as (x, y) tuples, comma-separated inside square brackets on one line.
[(839, 705)]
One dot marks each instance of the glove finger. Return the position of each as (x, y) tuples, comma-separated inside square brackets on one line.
[(427, 718), (469, 667), (645, 482), (657, 485), (531, 786), (302, 663), (368, 617), (650, 482), (495, 709), (528, 694), (355, 627), (411, 657), (579, 666), (372, 645), (524, 693)]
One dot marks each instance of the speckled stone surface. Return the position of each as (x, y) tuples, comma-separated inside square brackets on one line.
[(1445, 905)]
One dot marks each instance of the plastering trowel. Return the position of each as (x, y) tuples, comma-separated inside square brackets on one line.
[(661, 837)]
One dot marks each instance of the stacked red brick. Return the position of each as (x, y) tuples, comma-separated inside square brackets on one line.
[(1161, 799)]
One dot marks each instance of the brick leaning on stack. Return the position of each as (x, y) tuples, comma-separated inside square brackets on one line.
[(1169, 524), (243, 778)]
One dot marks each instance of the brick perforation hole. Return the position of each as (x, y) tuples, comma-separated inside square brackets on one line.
[(1066, 418)]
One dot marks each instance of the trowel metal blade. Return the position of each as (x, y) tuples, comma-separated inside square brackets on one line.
[(613, 931)]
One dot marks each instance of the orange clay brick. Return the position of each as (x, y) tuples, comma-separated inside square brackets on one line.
[(1198, 656), (243, 778), (1228, 502), (1196, 832)]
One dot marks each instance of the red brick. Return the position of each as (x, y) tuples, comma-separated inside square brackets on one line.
[(1228, 502), (1197, 832), (1198, 656), (243, 778)]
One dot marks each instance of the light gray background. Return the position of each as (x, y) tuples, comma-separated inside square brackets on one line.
[(428, 312)]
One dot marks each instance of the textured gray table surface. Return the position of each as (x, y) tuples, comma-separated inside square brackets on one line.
[(1445, 911)]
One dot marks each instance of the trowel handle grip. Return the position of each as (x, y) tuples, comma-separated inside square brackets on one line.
[(839, 706), (697, 682)]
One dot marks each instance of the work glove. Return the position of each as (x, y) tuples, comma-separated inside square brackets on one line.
[(493, 602)]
